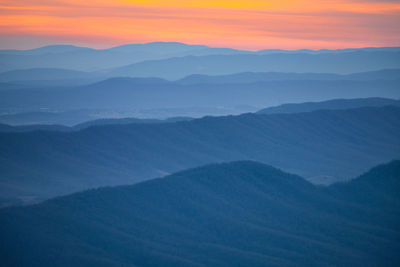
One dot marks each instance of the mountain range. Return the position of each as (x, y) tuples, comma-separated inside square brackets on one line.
[(155, 93), (234, 214), (169, 154), (53, 77), (251, 77), (335, 104), (319, 145), (48, 77), (88, 59), (342, 63), (83, 125), (79, 119)]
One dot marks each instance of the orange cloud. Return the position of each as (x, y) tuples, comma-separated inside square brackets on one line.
[(252, 24)]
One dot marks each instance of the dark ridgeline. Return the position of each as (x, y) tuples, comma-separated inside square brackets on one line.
[(334, 104), (6, 128), (235, 214), (25, 122), (252, 77), (323, 146), (80, 119)]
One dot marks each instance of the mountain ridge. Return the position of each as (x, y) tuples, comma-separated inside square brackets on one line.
[(124, 93), (55, 77), (87, 59), (42, 124), (334, 104), (121, 154), (179, 67), (230, 214), (67, 47), (247, 77)]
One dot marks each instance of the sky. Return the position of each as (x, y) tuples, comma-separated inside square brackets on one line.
[(246, 24)]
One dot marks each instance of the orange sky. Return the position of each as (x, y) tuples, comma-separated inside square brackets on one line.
[(248, 24)]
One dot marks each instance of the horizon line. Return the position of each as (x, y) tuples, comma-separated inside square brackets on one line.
[(195, 44)]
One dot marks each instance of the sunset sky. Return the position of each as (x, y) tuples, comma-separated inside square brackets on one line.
[(249, 24)]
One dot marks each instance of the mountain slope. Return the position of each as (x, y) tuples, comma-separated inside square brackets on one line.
[(38, 77), (41, 74), (343, 63), (235, 214), (84, 118), (5, 128), (88, 59), (251, 77), (379, 187), (54, 77), (67, 118), (151, 93), (320, 145), (331, 104)]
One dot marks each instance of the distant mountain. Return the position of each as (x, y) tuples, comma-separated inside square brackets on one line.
[(5, 128), (236, 214), (341, 63), (67, 118), (128, 81), (46, 76), (331, 104), (320, 146), (76, 117), (49, 49), (386, 74), (87, 59), (127, 121), (171, 49), (74, 120), (56, 78), (251, 77), (324, 51), (155, 93), (83, 125), (11, 86)]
